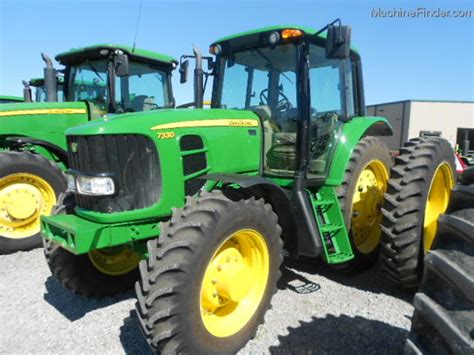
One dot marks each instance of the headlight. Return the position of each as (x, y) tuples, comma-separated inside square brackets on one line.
[(95, 185)]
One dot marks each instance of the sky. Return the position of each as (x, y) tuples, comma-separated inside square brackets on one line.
[(403, 58)]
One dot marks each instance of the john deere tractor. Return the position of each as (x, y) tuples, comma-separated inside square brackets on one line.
[(98, 80), (40, 89), (285, 163)]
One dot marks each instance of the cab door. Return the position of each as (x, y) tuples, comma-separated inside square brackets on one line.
[(332, 97)]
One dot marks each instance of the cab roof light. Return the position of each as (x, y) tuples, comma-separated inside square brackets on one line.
[(273, 37), (215, 49), (291, 33)]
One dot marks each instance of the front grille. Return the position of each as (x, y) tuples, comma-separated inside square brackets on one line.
[(133, 162), (193, 163)]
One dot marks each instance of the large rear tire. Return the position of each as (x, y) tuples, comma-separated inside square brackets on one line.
[(100, 273), (210, 276), (29, 187), (361, 197), (418, 193), (443, 320)]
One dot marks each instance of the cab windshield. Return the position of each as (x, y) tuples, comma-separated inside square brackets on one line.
[(264, 80), (145, 88)]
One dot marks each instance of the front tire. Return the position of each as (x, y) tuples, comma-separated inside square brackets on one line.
[(418, 194), (29, 187), (210, 276), (100, 273)]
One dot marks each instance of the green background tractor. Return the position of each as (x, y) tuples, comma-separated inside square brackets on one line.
[(40, 89), (100, 79), (285, 162)]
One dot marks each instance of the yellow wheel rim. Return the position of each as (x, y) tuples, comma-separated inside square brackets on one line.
[(114, 261), (437, 202), (24, 198), (234, 283), (366, 203)]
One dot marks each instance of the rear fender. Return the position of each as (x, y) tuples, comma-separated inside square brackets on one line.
[(351, 134), (49, 150)]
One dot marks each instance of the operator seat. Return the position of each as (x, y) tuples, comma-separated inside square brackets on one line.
[(269, 127), (141, 103)]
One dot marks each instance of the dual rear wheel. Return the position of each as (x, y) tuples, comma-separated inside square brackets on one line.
[(418, 193), (361, 197)]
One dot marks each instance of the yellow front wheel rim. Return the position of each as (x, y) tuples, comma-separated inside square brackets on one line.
[(114, 261), (366, 204), (234, 283), (437, 202), (24, 198)]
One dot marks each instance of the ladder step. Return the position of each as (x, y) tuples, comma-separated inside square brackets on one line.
[(340, 257), (327, 211), (323, 202), (330, 228)]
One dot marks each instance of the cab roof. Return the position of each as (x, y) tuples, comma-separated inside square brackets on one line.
[(235, 37), (79, 54), (40, 81), (308, 30)]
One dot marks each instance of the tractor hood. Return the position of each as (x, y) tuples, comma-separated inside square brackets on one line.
[(41, 120), (34, 108), (171, 119)]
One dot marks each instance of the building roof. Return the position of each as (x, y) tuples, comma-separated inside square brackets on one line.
[(433, 101)]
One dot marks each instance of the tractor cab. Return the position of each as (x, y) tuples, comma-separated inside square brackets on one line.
[(118, 79), (301, 91), (40, 89)]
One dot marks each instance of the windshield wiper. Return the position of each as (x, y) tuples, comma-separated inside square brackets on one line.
[(94, 70), (259, 52), (159, 77)]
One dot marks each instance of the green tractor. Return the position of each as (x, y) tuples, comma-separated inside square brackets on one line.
[(98, 80), (87, 88), (40, 89), (285, 163)]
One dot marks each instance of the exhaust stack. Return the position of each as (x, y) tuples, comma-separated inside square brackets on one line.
[(50, 79), (198, 79)]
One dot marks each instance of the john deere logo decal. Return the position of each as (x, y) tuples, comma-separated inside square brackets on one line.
[(74, 147)]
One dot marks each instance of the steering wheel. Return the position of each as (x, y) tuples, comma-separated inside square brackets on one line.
[(283, 103)]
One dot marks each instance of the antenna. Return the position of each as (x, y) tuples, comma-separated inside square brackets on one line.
[(138, 23)]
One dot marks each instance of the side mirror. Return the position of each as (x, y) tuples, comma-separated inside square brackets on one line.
[(183, 71), (121, 65), (210, 65), (338, 42)]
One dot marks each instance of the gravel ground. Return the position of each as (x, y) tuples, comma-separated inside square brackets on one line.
[(317, 310)]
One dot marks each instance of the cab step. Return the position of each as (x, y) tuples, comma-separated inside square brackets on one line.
[(335, 239)]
